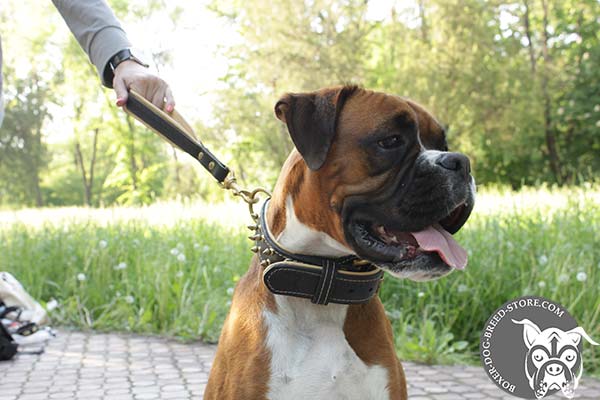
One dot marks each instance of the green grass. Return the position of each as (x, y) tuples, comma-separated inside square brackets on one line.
[(530, 242)]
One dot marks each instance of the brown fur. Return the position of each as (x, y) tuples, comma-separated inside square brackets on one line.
[(241, 366), (240, 369)]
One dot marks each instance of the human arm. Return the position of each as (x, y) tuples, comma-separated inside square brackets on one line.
[(101, 36)]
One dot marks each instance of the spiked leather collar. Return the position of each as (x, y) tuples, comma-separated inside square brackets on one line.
[(323, 280)]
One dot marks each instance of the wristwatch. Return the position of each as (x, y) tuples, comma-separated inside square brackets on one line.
[(114, 62)]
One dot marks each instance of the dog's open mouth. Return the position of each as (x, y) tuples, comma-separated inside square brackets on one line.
[(383, 243)]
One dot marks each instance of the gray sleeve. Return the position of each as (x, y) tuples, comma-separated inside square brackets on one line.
[(96, 28)]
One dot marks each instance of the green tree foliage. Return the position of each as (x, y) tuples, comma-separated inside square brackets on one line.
[(22, 148), (516, 83)]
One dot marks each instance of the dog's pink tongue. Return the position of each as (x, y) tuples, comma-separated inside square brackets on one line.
[(435, 238)]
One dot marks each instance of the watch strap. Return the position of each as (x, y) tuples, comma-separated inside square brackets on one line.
[(113, 63)]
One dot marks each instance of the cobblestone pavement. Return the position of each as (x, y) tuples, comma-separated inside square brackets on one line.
[(113, 366)]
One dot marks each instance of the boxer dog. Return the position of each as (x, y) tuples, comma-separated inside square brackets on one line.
[(370, 178), (553, 360)]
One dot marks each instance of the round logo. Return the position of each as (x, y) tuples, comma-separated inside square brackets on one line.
[(531, 348)]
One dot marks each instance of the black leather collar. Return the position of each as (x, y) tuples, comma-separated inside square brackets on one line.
[(344, 280)]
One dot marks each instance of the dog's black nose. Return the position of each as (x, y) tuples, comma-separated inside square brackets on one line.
[(554, 369), (455, 162)]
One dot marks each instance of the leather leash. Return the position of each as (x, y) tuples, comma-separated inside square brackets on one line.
[(174, 129), (177, 131)]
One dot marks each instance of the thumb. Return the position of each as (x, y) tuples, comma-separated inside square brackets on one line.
[(121, 91)]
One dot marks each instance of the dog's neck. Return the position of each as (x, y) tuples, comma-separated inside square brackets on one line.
[(299, 238)]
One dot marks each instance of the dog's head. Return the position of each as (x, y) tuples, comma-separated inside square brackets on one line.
[(553, 360), (378, 177)]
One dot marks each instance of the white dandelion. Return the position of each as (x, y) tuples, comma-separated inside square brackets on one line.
[(230, 291), (563, 278), (581, 276), (543, 259), (51, 304), (102, 244), (81, 277), (181, 257), (462, 288), (120, 266), (205, 248), (174, 251), (179, 274), (129, 299), (421, 294), (541, 284)]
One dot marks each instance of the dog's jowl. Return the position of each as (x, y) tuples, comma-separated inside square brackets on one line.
[(370, 187)]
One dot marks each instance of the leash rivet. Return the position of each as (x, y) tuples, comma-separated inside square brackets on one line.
[(253, 227), (255, 249), (200, 155), (268, 251), (265, 263), (211, 165)]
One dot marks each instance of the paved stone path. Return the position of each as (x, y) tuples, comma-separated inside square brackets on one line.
[(114, 366)]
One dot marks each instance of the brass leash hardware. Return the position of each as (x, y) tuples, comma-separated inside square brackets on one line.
[(251, 197)]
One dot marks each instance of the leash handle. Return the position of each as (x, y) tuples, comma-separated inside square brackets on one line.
[(175, 130)]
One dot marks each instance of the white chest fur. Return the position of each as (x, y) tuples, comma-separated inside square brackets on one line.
[(310, 356), (311, 359)]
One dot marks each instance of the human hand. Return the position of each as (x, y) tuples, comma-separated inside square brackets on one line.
[(131, 75)]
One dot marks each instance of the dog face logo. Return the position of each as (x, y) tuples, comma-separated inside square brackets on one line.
[(553, 360)]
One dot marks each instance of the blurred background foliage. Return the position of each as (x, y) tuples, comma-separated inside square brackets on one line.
[(516, 82)]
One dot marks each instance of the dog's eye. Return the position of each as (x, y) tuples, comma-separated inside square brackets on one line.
[(569, 355), (390, 142), (538, 355)]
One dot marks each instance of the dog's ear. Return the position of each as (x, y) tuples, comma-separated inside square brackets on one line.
[(576, 334), (311, 119), (530, 331)]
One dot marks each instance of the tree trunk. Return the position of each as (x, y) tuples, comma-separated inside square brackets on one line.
[(88, 182), (177, 169), (131, 153), (423, 18), (553, 155), (35, 167), (527, 25)]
